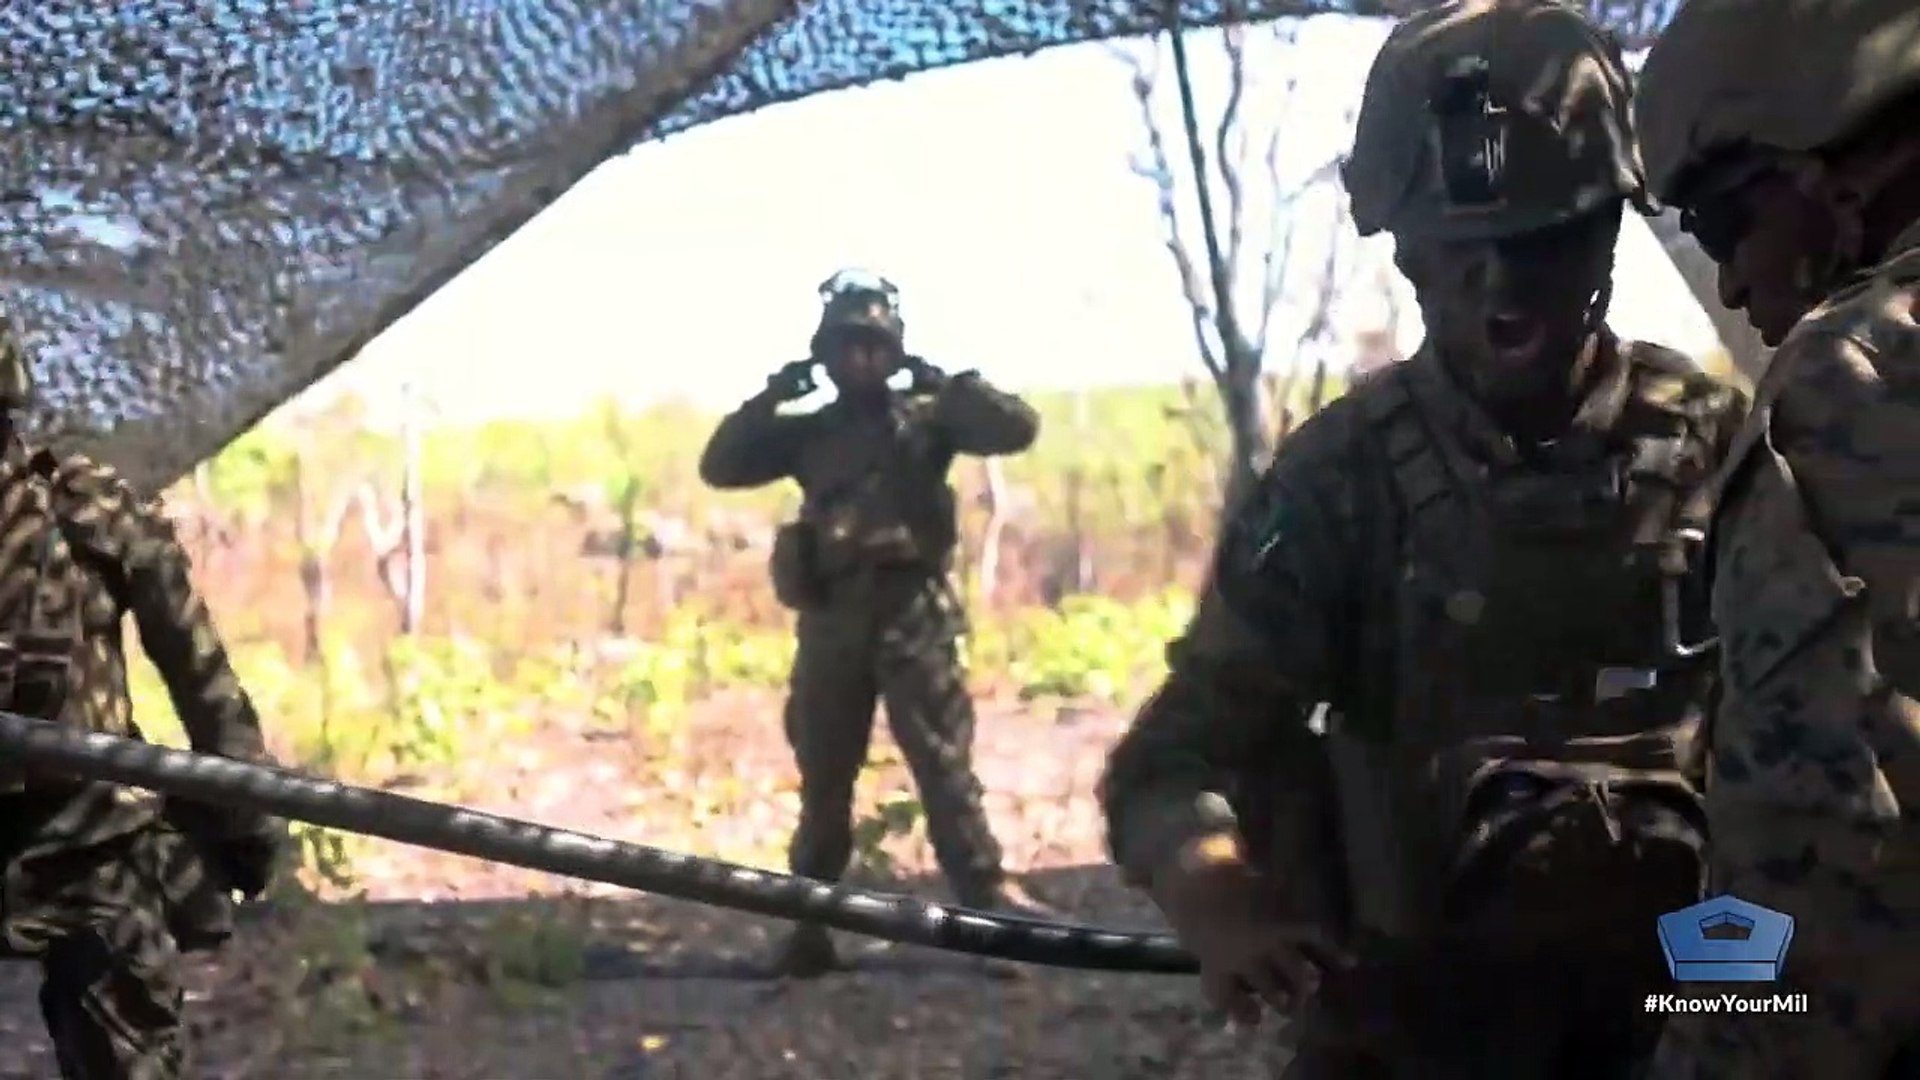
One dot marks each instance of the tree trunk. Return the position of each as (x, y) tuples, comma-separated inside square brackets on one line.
[(313, 572), (1240, 393), (627, 545), (413, 518), (987, 573)]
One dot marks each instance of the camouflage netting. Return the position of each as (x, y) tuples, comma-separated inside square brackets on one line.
[(206, 205)]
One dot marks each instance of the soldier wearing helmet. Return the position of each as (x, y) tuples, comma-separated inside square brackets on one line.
[(1784, 131), (1484, 562), (105, 887), (866, 565)]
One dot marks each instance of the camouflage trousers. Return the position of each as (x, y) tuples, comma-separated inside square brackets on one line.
[(90, 910), (889, 637)]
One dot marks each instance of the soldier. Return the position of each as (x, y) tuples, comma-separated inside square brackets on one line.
[(866, 567), (1784, 132), (1484, 560), (104, 886)]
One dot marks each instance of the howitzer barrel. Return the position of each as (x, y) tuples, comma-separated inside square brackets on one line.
[(266, 789)]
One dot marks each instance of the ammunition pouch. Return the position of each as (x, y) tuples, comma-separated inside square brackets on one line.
[(35, 671), (1556, 855), (1526, 784), (794, 567)]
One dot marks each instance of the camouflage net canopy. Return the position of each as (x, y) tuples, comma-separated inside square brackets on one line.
[(207, 205)]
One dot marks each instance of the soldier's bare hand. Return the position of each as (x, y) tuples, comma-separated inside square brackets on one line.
[(1244, 966), (1250, 955)]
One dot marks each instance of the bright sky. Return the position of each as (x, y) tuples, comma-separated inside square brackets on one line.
[(996, 195)]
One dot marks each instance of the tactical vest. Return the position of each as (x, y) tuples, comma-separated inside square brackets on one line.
[(880, 497), (1530, 743), (40, 604)]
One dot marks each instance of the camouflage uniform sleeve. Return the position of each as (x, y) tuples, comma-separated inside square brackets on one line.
[(978, 418), (754, 445), (1724, 407), (1266, 645), (1846, 418), (176, 629)]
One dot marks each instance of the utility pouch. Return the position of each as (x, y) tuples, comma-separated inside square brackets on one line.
[(794, 567)]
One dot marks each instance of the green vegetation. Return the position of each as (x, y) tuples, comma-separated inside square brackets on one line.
[(579, 576), (580, 580)]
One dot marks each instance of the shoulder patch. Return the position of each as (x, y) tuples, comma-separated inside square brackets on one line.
[(1260, 526), (1312, 472)]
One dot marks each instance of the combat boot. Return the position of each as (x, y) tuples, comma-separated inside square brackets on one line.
[(808, 953), (1008, 897)]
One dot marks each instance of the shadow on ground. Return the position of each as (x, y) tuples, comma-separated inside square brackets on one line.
[(635, 936), (629, 986)]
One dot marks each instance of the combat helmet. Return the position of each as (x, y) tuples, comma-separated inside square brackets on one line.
[(858, 301), (1485, 118), (1729, 76)]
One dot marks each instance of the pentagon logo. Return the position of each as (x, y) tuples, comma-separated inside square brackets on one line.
[(1725, 939)]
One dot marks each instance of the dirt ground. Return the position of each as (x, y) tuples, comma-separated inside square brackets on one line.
[(654, 988)]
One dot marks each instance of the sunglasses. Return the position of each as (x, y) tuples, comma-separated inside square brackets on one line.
[(1719, 212)]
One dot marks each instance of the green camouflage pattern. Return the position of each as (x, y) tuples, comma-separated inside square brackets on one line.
[(1815, 782), (89, 914), (893, 639), (888, 626), (100, 886), (1307, 584)]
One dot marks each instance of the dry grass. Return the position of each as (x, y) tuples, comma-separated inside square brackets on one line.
[(454, 968)]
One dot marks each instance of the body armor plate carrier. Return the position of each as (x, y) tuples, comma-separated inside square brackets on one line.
[(1530, 771)]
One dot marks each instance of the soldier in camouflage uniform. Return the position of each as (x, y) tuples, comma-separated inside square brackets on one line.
[(1485, 561), (866, 566), (1785, 131), (105, 887)]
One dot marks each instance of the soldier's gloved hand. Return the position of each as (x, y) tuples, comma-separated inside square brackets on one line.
[(794, 380), (242, 849), (248, 863), (925, 376), (1249, 955)]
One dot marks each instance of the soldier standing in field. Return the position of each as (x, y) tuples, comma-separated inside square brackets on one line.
[(1788, 134), (866, 567), (105, 886), (1486, 561)]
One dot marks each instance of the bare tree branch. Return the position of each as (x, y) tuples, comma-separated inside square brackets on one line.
[(1246, 167), (1228, 156), (1155, 165)]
